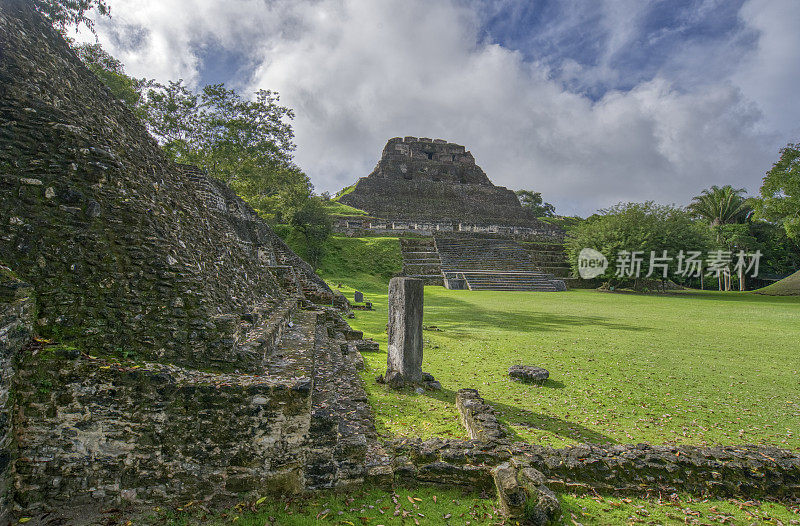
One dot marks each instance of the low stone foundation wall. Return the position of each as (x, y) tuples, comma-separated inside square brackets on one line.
[(95, 431), (732, 471), (525, 475), (477, 416), (366, 225)]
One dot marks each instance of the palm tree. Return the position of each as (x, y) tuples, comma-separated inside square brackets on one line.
[(722, 206)]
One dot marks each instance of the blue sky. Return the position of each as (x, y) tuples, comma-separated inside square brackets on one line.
[(591, 102)]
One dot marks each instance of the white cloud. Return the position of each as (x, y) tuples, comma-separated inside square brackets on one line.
[(358, 72), (771, 75)]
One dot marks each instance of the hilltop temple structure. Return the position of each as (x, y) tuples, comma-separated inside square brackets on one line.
[(431, 185)]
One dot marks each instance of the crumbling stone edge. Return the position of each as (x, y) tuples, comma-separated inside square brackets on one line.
[(526, 476)]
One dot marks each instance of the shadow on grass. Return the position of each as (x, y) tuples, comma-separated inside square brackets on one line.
[(449, 315), (512, 415)]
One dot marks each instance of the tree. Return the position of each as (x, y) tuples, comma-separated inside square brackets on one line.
[(533, 201), (246, 143), (780, 192), (313, 223), (721, 206), (111, 72), (637, 227), (65, 13)]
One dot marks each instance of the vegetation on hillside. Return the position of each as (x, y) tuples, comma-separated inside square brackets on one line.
[(368, 262), (64, 14), (335, 208), (788, 286), (780, 192), (533, 201)]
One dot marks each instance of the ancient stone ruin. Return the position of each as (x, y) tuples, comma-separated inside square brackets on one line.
[(160, 344), (404, 355), (528, 374), (426, 186), (185, 352), (434, 188)]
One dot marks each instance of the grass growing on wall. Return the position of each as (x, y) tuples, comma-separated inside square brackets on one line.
[(367, 262), (335, 208)]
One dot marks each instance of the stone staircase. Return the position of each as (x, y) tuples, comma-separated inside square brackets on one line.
[(550, 258), (484, 263), (421, 260)]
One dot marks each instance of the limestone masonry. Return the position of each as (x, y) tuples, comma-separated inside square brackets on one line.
[(191, 355), (433, 185)]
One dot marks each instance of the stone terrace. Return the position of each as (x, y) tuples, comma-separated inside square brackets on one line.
[(492, 264)]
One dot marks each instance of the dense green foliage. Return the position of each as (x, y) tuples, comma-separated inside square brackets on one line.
[(66, 13), (313, 224), (780, 191), (533, 201), (637, 227), (721, 205), (246, 143)]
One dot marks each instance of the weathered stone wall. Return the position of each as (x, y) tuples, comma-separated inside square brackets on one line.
[(359, 225), (126, 253), (478, 417), (99, 431), (412, 158), (751, 472), (425, 180), (17, 310), (176, 373)]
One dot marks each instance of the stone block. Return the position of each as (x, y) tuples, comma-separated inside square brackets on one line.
[(405, 328)]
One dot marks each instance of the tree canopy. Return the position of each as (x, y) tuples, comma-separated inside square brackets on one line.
[(533, 201), (780, 192), (247, 143), (721, 205), (65, 13), (637, 227)]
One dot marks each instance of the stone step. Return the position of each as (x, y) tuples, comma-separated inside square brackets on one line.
[(341, 427), (295, 351)]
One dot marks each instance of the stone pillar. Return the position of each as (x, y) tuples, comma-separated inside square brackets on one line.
[(405, 329)]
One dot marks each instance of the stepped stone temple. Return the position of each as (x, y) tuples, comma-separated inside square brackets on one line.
[(434, 188), (159, 344), (425, 186)]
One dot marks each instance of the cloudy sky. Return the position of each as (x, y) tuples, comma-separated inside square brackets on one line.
[(590, 102)]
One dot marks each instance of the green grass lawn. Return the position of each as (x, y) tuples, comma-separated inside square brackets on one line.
[(699, 368), (438, 506), (689, 368)]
